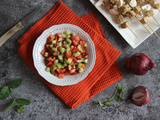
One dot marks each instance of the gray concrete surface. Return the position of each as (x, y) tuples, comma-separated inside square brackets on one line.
[(45, 105)]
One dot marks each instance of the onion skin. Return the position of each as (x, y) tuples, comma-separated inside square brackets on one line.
[(140, 96), (140, 64)]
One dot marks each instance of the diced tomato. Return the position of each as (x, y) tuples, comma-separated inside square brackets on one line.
[(63, 70), (75, 50), (50, 38), (84, 50), (56, 37), (56, 73), (73, 58), (59, 35), (79, 57), (51, 59), (71, 47), (72, 71), (47, 46), (58, 70), (68, 54), (43, 51), (85, 56), (83, 66), (75, 42), (78, 61), (82, 42), (49, 64), (67, 73), (61, 76), (58, 48), (63, 39), (77, 38), (55, 53), (72, 63)]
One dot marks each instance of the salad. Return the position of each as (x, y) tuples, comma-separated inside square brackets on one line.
[(65, 54)]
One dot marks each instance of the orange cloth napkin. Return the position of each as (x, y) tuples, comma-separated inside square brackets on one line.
[(105, 71)]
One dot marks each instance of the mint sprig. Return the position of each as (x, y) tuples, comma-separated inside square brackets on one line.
[(117, 96), (7, 90)]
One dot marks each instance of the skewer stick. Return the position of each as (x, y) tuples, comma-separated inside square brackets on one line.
[(156, 20), (142, 24), (152, 30), (133, 32)]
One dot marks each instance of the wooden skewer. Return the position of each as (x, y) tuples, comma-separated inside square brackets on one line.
[(152, 30), (156, 20), (133, 32), (142, 24)]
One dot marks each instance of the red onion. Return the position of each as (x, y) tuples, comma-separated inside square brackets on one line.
[(139, 64), (140, 96)]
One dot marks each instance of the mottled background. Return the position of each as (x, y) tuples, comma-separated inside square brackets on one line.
[(45, 105)]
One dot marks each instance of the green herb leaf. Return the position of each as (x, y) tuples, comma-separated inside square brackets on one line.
[(20, 108), (107, 102), (118, 98), (15, 83), (101, 103), (22, 102), (8, 108), (120, 90), (4, 93)]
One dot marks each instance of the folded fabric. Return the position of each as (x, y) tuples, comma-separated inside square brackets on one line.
[(105, 71)]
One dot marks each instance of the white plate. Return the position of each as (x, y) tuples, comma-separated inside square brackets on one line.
[(139, 30), (39, 59)]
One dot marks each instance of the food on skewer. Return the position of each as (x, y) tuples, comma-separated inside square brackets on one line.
[(132, 15), (120, 19), (133, 3), (145, 20), (124, 9), (131, 9), (126, 25), (138, 10), (150, 13)]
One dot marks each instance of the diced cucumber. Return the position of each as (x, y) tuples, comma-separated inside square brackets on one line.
[(63, 35), (68, 36), (60, 39), (59, 44), (54, 42), (79, 65), (54, 66), (47, 69), (85, 61), (64, 42), (85, 45), (68, 49), (60, 57), (59, 65), (76, 54), (73, 34), (69, 67), (69, 60), (65, 64), (81, 70), (54, 49), (52, 72), (69, 41), (51, 45), (56, 61), (74, 66), (62, 50), (80, 48), (67, 45), (46, 54), (67, 33)]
